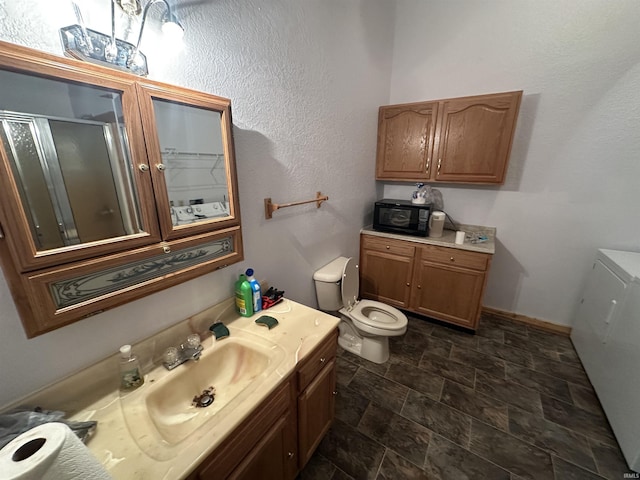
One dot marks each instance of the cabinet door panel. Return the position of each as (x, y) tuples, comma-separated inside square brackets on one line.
[(448, 293), (405, 141), (474, 136), (316, 408), (386, 277)]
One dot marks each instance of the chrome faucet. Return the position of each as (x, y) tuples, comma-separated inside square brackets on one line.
[(175, 356)]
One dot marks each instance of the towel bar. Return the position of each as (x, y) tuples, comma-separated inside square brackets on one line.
[(270, 207)]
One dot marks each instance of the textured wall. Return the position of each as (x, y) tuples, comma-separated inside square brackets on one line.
[(305, 79), (572, 184)]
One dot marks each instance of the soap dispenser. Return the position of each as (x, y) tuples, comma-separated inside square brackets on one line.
[(130, 373)]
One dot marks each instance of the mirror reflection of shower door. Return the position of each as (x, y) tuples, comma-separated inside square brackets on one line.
[(73, 197)]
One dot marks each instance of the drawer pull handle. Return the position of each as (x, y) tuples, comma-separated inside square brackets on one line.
[(322, 360), (452, 259)]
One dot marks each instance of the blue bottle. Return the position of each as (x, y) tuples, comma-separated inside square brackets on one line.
[(255, 290)]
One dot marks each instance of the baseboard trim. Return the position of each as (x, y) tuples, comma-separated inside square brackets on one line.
[(533, 322)]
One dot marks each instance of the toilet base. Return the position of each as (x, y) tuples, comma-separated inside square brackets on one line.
[(374, 349)]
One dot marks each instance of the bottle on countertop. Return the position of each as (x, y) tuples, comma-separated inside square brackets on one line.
[(244, 297), (256, 292), (130, 373)]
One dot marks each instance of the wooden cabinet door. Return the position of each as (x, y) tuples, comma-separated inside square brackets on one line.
[(405, 141), (272, 458), (386, 268), (448, 293), (474, 136), (316, 408)]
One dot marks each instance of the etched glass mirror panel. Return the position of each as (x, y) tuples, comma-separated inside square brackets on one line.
[(67, 147), (194, 160)]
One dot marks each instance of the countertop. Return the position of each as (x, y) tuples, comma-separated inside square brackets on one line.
[(448, 238), (93, 393)]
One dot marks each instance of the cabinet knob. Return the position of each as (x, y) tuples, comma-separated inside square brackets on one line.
[(322, 360), (388, 247), (143, 167), (161, 167), (334, 392), (419, 286), (408, 284), (290, 455), (452, 259)]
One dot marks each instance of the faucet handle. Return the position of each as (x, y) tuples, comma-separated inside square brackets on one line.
[(170, 356), (193, 340)]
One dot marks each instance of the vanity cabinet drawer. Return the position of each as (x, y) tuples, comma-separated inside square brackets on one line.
[(318, 359), (455, 257), (389, 245)]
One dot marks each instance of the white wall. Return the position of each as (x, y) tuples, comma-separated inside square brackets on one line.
[(574, 177), (305, 79)]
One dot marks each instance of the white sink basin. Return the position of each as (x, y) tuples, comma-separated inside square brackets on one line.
[(161, 414)]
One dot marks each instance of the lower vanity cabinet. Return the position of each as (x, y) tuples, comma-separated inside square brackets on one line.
[(316, 398), (440, 282), (448, 284), (282, 432), (263, 446)]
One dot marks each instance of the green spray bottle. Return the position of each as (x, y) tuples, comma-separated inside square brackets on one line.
[(244, 297)]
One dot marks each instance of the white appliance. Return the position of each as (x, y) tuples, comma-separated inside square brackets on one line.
[(606, 334)]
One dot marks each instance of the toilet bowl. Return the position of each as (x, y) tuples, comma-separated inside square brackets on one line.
[(366, 324)]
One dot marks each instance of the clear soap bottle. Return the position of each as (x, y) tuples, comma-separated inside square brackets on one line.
[(130, 372)]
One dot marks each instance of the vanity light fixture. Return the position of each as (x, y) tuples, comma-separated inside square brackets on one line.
[(92, 46)]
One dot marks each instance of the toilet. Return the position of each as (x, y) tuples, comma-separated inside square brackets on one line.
[(366, 324)]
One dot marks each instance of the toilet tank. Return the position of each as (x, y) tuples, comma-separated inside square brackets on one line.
[(328, 280)]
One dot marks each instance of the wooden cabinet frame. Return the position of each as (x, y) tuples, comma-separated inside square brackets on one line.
[(32, 273)]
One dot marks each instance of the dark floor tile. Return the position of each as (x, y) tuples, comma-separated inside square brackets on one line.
[(416, 378), (505, 352), (437, 417), (561, 370), (457, 337), (568, 471), (551, 437), (553, 341), (433, 345), (318, 468), (490, 321), (340, 475), (405, 352), (522, 342), (509, 392), (379, 389), (351, 451), (510, 453), (350, 405), (585, 398), (465, 399), (405, 437), (415, 324), (475, 359), (577, 419), (446, 460), (571, 357), (610, 461), (490, 333), (345, 370), (539, 381), (448, 369), (379, 368), (394, 467)]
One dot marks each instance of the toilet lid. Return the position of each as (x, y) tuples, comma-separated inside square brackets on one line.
[(350, 283)]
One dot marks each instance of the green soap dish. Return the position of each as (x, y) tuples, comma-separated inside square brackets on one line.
[(219, 330), (268, 321)]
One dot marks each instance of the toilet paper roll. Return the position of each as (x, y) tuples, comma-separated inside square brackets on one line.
[(460, 237), (49, 452)]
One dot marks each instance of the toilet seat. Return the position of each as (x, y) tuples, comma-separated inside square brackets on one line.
[(377, 318)]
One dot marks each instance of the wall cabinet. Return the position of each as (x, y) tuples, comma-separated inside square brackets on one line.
[(97, 205), (281, 434), (458, 140), (440, 282)]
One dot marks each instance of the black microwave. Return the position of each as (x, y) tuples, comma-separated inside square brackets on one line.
[(401, 216)]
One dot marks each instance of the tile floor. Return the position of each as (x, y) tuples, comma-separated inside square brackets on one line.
[(510, 402)]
